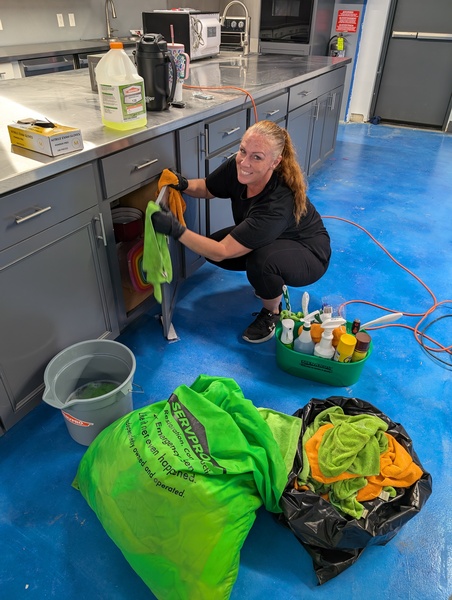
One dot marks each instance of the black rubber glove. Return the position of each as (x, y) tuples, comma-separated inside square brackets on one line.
[(165, 222), (182, 183)]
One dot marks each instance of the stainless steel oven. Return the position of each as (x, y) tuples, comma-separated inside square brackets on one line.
[(295, 26)]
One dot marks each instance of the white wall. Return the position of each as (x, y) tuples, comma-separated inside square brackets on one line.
[(34, 21), (373, 29)]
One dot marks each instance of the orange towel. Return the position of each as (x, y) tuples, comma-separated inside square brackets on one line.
[(312, 451), (397, 469), (176, 203)]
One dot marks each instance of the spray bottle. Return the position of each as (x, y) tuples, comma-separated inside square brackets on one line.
[(287, 332), (304, 342), (325, 348)]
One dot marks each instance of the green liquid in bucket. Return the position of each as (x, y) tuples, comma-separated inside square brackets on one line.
[(93, 389)]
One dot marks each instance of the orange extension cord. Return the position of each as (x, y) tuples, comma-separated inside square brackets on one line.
[(420, 336), (226, 87)]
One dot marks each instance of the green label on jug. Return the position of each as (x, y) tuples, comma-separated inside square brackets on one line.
[(123, 103)]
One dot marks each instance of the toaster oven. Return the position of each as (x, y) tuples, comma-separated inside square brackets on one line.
[(199, 32)]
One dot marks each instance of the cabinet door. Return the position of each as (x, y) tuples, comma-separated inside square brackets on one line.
[(299, 125), (219, 210), (316, 158), (325, 128), (191, 154), (56, 291), (331, 122)]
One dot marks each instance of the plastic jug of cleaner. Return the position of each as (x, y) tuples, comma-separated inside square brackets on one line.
[(325, 348), (121, 90), (287, 332)]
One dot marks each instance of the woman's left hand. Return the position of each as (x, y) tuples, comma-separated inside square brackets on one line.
[(165, 222)]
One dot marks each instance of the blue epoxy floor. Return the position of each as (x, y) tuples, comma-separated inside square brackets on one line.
[(397, 184)]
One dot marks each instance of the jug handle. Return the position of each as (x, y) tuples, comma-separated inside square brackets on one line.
[(174, 81)]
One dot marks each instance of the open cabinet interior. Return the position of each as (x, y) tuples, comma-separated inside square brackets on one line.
[(128, 214)]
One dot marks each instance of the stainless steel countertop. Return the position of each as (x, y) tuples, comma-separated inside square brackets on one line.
[(67, 99), (23, 51)]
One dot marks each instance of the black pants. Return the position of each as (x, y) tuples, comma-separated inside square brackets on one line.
[(269, 268)]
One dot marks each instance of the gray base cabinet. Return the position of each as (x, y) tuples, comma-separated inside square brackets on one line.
[(55, 283), (314, 108)]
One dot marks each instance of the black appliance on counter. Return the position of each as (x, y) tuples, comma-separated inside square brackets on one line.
[(295, 26)]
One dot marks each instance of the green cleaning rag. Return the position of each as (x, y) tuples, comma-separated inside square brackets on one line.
[(354, 444), (156, 257)]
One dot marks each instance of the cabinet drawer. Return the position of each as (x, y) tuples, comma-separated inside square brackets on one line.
[(129, 168), (32, 210), (330, 80), (225, 131), (302, 93), (273, 109), (215, 161)]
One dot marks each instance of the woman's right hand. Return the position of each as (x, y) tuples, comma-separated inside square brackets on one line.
[(182, 182)]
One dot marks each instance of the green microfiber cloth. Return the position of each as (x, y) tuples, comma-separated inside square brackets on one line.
[(354, 444), (286, 431), (321, 419), (156, 257)]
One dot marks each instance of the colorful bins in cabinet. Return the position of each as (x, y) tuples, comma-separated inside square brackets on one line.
[(317, 368)]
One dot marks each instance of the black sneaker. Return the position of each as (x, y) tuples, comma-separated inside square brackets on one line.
[(262, 328)]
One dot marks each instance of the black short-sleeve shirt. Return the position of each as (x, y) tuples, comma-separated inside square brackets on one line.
[(264, 218)]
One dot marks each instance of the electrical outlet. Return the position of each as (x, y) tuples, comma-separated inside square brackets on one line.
[(71, 18), (60, 20)]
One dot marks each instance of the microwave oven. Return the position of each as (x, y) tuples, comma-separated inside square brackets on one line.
[(199, 32)]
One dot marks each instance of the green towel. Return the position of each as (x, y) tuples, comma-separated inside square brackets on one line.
[(354, 444), (321, 419), (286, 431), (156, 257)]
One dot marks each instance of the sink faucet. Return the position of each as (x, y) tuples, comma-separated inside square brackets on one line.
[(107, 17), (245, 36)]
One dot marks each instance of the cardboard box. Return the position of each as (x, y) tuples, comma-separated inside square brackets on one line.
[(51, 141)]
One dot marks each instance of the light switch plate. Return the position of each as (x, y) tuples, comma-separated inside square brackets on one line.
[(60, 20), (71, 18)]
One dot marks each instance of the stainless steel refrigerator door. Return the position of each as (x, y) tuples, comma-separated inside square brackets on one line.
[(415, 83)]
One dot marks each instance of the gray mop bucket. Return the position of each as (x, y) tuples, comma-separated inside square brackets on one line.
[(95, 366)]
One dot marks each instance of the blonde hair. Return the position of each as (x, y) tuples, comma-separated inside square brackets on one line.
[(288, 169)]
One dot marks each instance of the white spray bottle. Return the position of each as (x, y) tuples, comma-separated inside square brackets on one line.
[(325, 348), (304, 342), (287, 332)]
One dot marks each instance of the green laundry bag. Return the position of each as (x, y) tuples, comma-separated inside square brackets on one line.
[(176, 484)]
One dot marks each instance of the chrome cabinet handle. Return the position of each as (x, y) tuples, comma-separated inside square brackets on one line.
[(317, 111), (423, 35), (37, 211), (304, 93), (273, 112), (231, 131), (146, 164), (102, 237), (404, 34)]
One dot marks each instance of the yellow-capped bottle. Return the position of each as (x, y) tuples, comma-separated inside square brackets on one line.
[(345, 348), (121, 90)]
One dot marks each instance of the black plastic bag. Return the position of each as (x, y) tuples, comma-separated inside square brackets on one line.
[(333, 540)]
